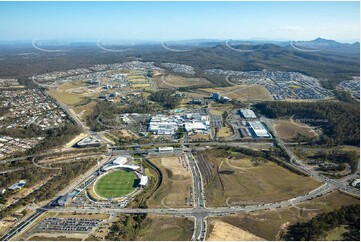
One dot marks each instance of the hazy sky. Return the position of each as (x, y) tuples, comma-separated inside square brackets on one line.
[(180, 20)]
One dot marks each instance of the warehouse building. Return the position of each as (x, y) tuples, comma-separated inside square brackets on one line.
[(258, 130)]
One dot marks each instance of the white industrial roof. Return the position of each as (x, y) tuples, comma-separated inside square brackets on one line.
[(189, 126), (248, 113), (258, 128)]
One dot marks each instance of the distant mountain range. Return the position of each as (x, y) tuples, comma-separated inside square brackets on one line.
[(320, 58)]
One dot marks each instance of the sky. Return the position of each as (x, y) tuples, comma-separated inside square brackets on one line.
[(180, 20)]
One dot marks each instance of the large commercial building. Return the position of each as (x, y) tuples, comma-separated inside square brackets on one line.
[(258, 129), (65, 200), (247, 113), (167, 125), (163, 125), (218, 97)]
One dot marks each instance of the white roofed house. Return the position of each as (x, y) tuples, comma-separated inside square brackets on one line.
[(20, 184)]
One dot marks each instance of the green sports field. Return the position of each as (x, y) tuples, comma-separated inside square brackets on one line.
[(115, 184)]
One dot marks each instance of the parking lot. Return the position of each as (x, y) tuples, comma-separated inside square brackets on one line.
[(68, 224)]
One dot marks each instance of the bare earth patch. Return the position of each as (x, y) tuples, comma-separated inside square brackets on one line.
[(177, 181), (225, 231), (224, 132), (171, 81)]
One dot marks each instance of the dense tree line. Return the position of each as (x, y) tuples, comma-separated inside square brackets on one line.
[(166, 98), (318, 226), (52, 137), (339, 156), (106, 112), (339, 121), (344, 96), (55, 137)]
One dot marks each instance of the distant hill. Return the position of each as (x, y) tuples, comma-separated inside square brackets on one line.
[(324, 45), (334, 61), (333, 65)]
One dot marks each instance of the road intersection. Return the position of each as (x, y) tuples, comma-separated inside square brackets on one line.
[(200, 212)]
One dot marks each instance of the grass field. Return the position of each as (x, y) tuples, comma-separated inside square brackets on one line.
[(336, 234), (288, 130), (166, 228), (175, 186), (141, 85), (240, 182), (271, 224), (65, 97), (242, 92), (115, 184)]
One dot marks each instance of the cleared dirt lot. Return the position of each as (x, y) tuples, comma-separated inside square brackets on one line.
[(176, 183), (224, 231), (124, 134), (240, 182), (174, 81), (224, 132)]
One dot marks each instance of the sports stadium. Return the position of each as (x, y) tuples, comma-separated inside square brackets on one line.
[(118, 180)]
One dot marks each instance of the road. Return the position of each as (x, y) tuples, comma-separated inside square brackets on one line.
[(200, 212), (198, 194), (299, 165)]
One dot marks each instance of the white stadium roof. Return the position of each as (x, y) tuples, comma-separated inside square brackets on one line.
[(143, 181), (121, 160)]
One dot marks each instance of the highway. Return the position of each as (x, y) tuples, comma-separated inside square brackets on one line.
[(200, 212), (299, 165)]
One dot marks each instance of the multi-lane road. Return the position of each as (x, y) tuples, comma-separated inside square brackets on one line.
[(200, 212)]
